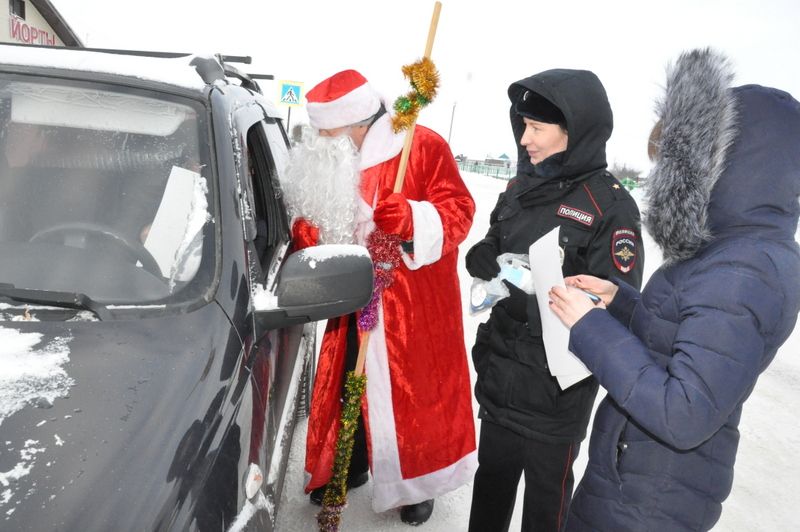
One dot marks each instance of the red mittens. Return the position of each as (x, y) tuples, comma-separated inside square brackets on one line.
[(393, 215), (304, 234)]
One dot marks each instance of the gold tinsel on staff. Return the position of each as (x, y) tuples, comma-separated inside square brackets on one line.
[(424, 79)]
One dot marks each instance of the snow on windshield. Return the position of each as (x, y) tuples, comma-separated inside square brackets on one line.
[(81, 107)]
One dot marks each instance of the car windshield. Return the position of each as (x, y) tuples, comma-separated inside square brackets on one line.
[(104, 191)]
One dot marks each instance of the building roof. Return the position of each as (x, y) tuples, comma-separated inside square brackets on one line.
[(57, 22)]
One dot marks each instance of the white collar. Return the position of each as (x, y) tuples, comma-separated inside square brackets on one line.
[(381, 143)]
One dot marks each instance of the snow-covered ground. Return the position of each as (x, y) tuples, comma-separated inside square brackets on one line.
[(767, 476)]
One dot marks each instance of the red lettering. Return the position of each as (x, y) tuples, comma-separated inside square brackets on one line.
[(14, 27), (28, 34)]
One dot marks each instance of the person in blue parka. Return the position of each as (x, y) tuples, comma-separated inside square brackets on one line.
[(680, 359)]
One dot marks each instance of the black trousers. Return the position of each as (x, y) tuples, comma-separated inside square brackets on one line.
[(503, 456), (359, 461)]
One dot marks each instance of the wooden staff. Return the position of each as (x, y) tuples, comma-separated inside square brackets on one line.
[(401, 170)]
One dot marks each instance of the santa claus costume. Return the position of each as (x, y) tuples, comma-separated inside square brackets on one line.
[(418, 402)]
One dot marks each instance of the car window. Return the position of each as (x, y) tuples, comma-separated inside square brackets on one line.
[(272, 224), (103, 191)]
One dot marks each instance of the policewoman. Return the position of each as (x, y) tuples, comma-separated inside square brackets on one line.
[(561, 120)]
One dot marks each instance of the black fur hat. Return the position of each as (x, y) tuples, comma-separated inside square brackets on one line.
[(536, 107)]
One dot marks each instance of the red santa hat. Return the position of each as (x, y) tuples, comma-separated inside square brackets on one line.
[(341, 100)]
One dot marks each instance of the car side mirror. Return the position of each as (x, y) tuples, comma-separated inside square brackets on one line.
[(318, 283)]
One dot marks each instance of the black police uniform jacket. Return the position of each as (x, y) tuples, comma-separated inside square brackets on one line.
[(600, 234)]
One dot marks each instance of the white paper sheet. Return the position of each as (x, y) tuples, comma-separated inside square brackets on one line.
[(545, 259), (169, 225)]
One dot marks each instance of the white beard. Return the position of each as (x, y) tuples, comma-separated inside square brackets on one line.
[(321, 185)]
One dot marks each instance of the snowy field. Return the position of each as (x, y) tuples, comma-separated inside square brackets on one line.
[(767, 476)]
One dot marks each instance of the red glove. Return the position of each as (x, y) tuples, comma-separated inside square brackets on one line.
[(393, 215), (304, 234)]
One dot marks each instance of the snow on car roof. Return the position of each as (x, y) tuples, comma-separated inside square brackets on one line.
[(174, 71)]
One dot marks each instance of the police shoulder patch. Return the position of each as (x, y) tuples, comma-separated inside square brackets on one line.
[(623, 249)]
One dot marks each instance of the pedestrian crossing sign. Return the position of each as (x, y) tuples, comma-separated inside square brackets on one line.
[(291, 92)]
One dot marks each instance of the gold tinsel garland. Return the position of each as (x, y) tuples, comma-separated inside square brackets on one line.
[(335, 497), (424, 79)]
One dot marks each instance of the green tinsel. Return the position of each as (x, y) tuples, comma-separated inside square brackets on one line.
[(424, 80), (402, 104), (335, 497)]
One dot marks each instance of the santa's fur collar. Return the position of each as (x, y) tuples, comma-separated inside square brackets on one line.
[(381, 143)]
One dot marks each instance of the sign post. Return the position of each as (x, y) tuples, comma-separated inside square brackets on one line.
[(290, 95)]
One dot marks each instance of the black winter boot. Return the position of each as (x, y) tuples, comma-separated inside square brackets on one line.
[(416, 514)]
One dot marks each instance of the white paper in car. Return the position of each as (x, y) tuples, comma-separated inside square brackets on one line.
[(545, 263), (169, 225)]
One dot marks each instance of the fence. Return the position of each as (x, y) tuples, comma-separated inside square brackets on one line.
[(475, 167), (502, 172)]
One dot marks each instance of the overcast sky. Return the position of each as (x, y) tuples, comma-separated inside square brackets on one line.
[(480, 48)]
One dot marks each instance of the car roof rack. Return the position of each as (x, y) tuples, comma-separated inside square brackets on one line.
[(147, 53), (247, 81)]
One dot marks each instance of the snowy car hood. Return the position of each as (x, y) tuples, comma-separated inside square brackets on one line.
[(97, 445)]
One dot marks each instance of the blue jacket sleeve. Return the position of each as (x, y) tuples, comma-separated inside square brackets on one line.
[(717, 351), (624, 302)]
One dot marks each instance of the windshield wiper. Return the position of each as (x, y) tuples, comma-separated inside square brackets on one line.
[(74, 300)]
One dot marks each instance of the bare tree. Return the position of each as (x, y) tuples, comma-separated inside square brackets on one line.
[(624, 172)]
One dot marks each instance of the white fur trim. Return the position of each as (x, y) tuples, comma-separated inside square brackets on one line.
[(411, 491), (355, 106), (383, 434), (428, 235), (389, 488), (364, 223), (381, 143)]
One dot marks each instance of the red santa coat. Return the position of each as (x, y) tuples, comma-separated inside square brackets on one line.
[(418, 403)]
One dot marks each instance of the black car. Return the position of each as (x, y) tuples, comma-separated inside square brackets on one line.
[(155, 335)]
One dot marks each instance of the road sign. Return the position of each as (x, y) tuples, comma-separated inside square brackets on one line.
[(290, 93)]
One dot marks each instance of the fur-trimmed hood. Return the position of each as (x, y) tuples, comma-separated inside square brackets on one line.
[(724, 163)]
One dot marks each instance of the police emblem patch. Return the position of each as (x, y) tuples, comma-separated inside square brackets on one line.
[(623, 249)]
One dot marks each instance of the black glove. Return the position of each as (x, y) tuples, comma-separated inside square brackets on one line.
[(482, 261), (516, 304)]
